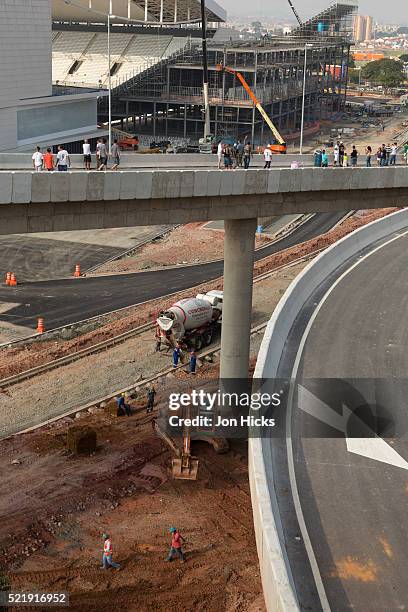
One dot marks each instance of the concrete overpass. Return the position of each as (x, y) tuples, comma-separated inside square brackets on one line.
[(38, 202)]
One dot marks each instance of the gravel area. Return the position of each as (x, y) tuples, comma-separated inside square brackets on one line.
[(73, 385)]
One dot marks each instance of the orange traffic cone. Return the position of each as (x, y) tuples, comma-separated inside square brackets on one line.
[(8, 277), (13, 280), (77, 272), (40, 326)]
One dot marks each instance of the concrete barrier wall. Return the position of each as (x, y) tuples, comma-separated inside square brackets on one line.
[(276, 574), (22, 187)]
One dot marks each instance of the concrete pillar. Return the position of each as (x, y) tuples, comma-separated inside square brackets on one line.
[(239, 244)]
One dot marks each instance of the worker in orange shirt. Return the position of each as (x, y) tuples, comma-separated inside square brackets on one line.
[(175, 548), (107, 553)]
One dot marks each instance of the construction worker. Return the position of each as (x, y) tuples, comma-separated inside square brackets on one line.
[(175, 548), (151, 392), (107, 553), (157, 336), (176, 356), (123, 407), (193, 362)]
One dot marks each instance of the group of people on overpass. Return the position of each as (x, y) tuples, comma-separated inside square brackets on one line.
[(386, 155), (61, 161)]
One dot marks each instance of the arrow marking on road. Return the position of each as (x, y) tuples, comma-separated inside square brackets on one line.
[(371, 447)]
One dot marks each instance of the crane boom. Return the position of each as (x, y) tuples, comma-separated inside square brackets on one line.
[(281, 148), (296, 14)]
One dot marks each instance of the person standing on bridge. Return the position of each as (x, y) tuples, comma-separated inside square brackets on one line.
[(38, 160), (219, 154), (341, 153), (325, 159), (354, 156), (393, 155), (49, 160), (86, 148), (267, 157), (115, 155), (63, 160), (247, 154), (368, 153)]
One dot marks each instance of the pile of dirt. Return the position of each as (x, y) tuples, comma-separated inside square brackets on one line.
[(55, 508), (20, 358), (188, 244)]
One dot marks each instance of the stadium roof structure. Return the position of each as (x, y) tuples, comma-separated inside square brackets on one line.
[(135, 11), (335, 20)]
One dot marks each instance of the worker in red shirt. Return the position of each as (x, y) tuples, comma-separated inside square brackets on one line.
[(107, 553), (175, 549)]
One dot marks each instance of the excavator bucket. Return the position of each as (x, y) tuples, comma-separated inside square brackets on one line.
[(185, 467)]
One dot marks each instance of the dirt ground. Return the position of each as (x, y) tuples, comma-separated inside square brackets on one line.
[(23, 357), (203, 245), (55, 507)]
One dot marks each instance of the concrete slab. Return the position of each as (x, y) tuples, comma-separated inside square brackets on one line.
[(112, 187), (128, 185), (262, 181), (361, 178), (214, 182), (238, 182), (96, 185), (291, 179), (6, 188), (60, 182), (173, 184), (200, 183), (227, 182), (273, 182), (251, 178), (21, 187), (78, 188), (187, 184), (401, 177), (41, 187), (144, 181), (159, 185)]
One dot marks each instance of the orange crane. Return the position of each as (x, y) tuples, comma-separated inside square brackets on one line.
[(276, 148)]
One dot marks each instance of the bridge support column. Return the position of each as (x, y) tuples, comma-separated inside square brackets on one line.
[(239, 243)]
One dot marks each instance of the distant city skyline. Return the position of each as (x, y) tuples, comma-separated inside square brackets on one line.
[(392, 12)]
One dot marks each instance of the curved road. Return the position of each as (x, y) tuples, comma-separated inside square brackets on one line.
[(354, 505), (66, 301)]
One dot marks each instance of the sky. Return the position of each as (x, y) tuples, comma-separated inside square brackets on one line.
[(394, 11)]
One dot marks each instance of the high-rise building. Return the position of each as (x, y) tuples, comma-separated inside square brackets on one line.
[(369, 28), (363, 28)]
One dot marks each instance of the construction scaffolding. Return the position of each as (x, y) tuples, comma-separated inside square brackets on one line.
[(166, 99)]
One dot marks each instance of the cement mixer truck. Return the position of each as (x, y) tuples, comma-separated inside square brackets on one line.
[(191, 322)]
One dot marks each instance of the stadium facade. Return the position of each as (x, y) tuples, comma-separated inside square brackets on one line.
[(32, 111), (156, 70)]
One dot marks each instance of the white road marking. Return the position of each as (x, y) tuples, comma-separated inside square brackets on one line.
[(370, 447)]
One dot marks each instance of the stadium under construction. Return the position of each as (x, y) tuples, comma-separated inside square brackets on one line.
[(156, 71)]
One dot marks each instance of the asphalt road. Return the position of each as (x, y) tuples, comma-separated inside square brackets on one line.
[(66, 301), (354, 506), (54, 255)]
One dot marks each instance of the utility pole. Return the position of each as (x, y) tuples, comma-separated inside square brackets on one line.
[(207, 128)]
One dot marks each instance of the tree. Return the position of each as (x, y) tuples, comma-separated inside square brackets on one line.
[(403, 58), (385, 72), (351, 62)]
